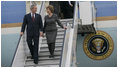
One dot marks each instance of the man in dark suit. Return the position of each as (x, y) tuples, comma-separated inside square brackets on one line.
[(34, 25), (67, 8)]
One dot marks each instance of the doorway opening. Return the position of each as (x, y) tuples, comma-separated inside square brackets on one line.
[(63, 9)]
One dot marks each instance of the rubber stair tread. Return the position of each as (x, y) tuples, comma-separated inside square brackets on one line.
[(43, 59), (49, 65), (56, 65), (40, 65), (47, 47), (48, 51), (43, 62), (57, 40), (45, 55)]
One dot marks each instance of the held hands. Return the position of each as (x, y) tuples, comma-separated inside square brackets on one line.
[(21, 33), (41, 34), (65, 27)]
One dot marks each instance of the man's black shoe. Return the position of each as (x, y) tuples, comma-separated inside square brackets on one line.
[(36, 62), (32, 57)]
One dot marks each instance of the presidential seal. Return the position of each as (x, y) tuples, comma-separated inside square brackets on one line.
[(98, 46)]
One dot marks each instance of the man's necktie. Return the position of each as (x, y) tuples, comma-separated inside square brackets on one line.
[(33, 17)]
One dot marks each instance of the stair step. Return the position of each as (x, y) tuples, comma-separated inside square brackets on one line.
[(27, 60), (45, 57), (67, 20), (48, 51), (55, 43), (48, 55), (57, 40), (61, 30), (43, 65), (58, 36), (50, 65), (47, 47), (48, 62), (56, 65)]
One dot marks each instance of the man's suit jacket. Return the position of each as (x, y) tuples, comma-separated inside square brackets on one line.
[(33, 28)]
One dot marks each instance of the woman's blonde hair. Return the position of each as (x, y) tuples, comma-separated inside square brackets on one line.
[(51, 8)]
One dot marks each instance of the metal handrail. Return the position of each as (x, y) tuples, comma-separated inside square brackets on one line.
[(74, 14), (16, 49), (41, 7), (62, 47)]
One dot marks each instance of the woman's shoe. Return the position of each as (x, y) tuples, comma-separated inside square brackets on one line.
[(51, 56), (35, 62)]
